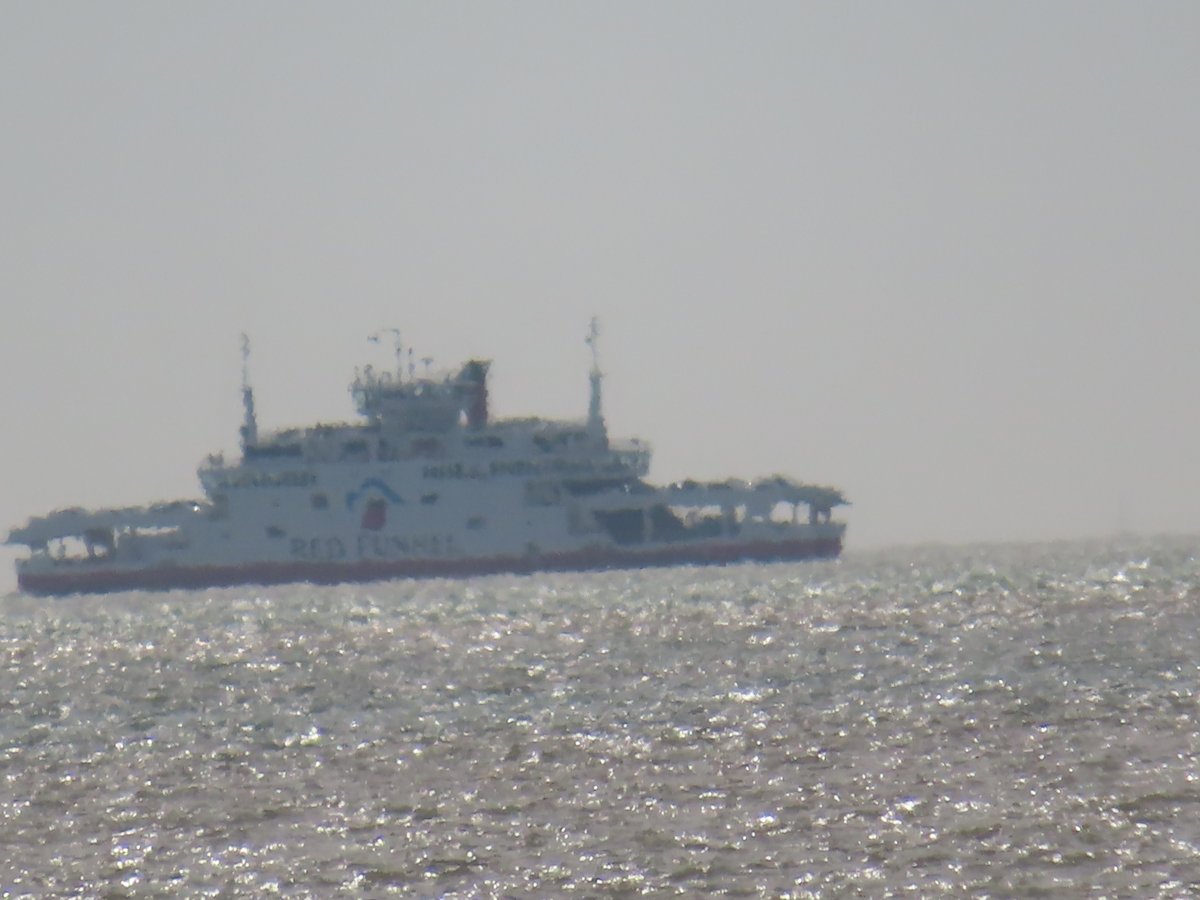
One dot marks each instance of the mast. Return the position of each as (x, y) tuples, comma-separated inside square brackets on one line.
[(249, 429), (595, 412)]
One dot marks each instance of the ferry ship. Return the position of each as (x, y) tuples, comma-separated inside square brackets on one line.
[(427, 483)]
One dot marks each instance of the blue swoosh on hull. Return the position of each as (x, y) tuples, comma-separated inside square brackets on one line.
[(372, 483)]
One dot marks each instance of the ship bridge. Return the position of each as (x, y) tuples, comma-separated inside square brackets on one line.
[(423, 403)]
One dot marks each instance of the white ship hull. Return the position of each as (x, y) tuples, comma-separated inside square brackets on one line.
[(94, 579)]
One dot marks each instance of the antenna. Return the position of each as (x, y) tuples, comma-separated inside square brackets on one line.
[(592, 341), (245, 361), (395, 333)]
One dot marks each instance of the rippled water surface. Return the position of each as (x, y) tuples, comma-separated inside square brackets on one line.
[(1011, 721)]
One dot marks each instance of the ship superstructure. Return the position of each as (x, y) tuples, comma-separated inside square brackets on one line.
[(426, 483)]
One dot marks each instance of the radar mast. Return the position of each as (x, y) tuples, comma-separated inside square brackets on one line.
[(595, 412), (249, 427)]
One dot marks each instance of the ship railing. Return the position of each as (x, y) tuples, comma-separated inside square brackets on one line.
[(774, 489)]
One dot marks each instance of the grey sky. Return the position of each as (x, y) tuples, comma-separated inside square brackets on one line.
[(942, 255)]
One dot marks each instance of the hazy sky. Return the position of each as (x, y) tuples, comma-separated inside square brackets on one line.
[(943, 255)]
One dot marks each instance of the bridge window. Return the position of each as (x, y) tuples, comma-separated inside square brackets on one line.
[(489, 440)]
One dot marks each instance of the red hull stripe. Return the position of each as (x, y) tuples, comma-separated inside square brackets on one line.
[(86, 579)]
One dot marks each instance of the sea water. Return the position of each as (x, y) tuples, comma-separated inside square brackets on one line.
[(992, 720)]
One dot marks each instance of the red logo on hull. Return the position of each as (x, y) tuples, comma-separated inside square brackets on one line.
[(374, 517)]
